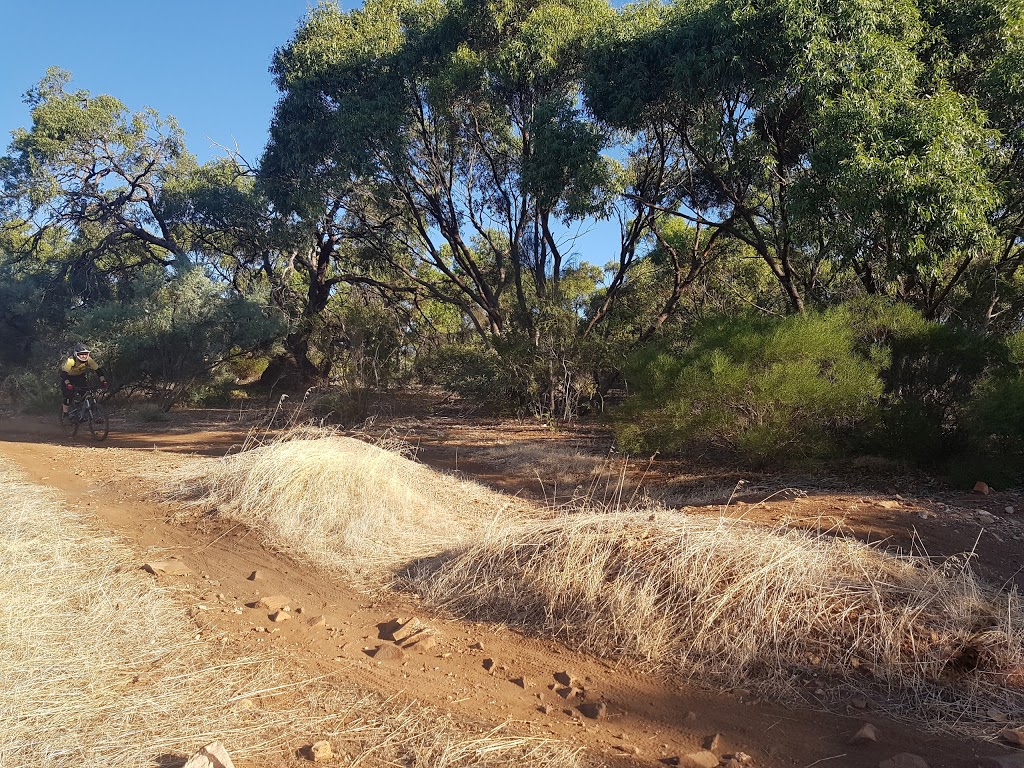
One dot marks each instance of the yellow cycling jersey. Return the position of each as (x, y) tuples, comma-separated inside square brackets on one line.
[(75, 367)]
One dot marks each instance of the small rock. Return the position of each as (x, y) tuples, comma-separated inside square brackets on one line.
[(595, 710), (386, 629), (320, 751), (316, 621), (982, 488), (712, 742), (904, 760), (741, 757), (859, 703), (388, 652), (1013, 736), (702, 759), (477, 646), (423, 642), (280, 616), (271, 602), (488, 664), (867, 734), (255, 576), (172, 567), (1009, 510), (668, 760), (629, 749), (544, 709), (996, 716), (407, 630), (566, 679), (889, 504), (521, 681), (213, 755), (568, 693)]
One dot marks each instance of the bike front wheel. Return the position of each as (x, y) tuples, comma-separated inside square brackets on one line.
[(98, 425), (69, 422)]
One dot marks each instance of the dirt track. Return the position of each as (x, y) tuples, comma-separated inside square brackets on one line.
[(650, 720)]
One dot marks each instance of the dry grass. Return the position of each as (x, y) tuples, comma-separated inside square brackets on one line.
[(555, 467), (101, 667), (726, 601), (734, 603), (339, 502)]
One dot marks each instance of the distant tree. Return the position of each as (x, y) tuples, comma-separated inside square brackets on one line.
[(95, 175)]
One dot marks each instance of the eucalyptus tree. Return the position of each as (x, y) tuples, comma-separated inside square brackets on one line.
[(456, 132), (813, 133), (93, 174)]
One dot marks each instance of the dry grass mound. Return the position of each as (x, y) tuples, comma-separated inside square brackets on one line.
[(100, 667), (728, 601), (339, 502)]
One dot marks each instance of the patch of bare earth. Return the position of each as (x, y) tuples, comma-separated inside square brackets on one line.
[(480, 673)]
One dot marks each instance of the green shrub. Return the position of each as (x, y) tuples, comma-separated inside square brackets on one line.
[(796, 387), (32, 392), (476, 374)]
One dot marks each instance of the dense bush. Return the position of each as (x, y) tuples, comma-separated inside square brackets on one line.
[(757, 385)]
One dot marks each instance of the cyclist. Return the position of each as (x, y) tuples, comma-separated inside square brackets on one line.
[(73, 374)]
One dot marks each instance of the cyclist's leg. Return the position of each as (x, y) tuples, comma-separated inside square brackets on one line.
[(78, 382)]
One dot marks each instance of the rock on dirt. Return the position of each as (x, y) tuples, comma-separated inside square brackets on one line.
[(982, 488), (702, 759), (271, 602), (172, 567), (595, 710), (1013, 736), (567, 679), (904, 760), (712, 742), (319, 751), (280, 616), (867, 734), (213, 755), (388, 652)]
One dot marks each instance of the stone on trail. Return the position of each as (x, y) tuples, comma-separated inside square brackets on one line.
[(982, 488), (702, 759), (316, 621), (712, 742), (477, 646), (172, 567), (867, 734), (424, 641), (271, 602), (566, 679), (280, 616), (388, 652), (213, 755), (407, 630), (1014, 736), (521, 681), (595, 710), (255, 576), (904, 760), (320, 751)]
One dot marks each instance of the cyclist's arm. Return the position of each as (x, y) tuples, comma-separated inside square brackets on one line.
[(65, 370)]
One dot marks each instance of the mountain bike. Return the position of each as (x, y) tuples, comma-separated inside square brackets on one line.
[(86, 409)]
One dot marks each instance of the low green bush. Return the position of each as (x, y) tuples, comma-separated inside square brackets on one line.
[(765, 387)]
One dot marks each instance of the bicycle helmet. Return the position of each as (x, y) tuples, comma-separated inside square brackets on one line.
[(82, 352)]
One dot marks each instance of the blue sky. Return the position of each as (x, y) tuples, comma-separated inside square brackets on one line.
[(206, 63)]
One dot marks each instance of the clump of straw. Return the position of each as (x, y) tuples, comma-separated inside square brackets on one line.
[(339, 502), (735, 603), (100, 667)]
